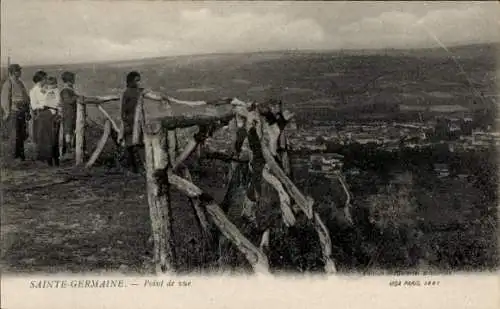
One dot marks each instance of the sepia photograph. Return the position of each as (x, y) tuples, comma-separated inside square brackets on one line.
[(221, 138)]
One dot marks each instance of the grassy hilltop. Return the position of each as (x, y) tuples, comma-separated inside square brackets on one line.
[(102, 223)]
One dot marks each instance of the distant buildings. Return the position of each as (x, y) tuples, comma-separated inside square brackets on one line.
[(455, 134)]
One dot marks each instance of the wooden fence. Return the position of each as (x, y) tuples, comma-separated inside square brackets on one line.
[(260, 125)]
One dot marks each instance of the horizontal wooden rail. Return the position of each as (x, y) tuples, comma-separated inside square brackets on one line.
[(202, 115), (99, 99)]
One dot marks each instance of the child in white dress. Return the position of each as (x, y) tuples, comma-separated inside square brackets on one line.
[(52, 96)]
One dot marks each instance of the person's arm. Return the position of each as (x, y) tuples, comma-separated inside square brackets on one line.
[(34, 103), (58, 102), (6, 99)]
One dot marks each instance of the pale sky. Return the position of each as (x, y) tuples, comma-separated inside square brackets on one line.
[(49, 31)]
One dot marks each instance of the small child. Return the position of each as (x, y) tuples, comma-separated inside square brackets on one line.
[(52, 96)]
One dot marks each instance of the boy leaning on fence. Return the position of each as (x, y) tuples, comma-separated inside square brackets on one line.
[(132, 136), (129, 101)]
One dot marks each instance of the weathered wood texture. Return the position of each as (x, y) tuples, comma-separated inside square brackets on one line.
[(100, 144), (99, 99), (81, 115), (159, 201), (171, 137), (254, 256), (109, 118), (191, 116)]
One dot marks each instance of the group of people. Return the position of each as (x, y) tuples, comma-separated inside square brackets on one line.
[(46, 113)]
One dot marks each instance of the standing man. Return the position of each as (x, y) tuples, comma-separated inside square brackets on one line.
[(68, 103), (15, 103), (130, 99)]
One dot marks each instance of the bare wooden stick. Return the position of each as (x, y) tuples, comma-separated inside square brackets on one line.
[(271, 137), (347, 205), (285, 203), (183, 102), (159, 201), (305, 204), (326, 244), (193, 116), (173, 146), (138, 122), (100, 99), (108, 117), (186, 152), (185, 186), (256, 258), (100, 144), (264, 241), (81, 115), (200, 214)]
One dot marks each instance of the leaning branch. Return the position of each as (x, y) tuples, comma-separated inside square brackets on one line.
[(113, 123), (256, 258), (305, 204)]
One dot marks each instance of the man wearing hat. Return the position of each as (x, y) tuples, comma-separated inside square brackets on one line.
[(15, 103)]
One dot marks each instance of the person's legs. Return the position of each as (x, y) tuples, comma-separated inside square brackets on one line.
[(56, 152), (34, 129), (20, 128)]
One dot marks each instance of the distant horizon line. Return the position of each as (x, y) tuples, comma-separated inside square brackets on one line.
[(393, 49)]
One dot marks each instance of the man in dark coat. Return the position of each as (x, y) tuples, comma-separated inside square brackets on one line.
[(15, 104)]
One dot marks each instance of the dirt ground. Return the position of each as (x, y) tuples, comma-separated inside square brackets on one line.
[(93, 223)]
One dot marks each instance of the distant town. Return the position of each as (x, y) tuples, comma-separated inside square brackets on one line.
[(457, 133)]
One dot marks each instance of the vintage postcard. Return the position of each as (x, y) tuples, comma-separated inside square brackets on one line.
[(216, 154)]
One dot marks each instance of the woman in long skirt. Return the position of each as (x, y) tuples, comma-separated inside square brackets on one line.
[(37, 102), (48, 125)]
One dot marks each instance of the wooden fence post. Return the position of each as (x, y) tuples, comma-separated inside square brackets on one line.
[(159, 199), (158, 188), (81, 115)]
